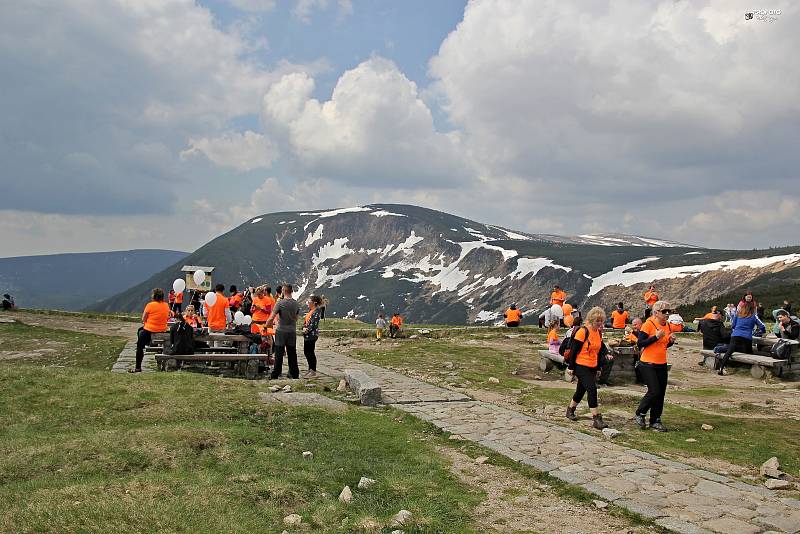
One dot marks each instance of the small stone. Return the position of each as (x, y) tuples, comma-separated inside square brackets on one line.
[(397, 532), (537, 377), (287, 388), (772, 463), (274, 389), (308, 455), (448, 365), (401, 518), (415, 336), (611, 433), (602, 505), (292, 520), (514, 372), (365, 483), (456, 437), (704, 426), (691, 440), (493, 380), (522, 499), (480, 460), (342, 385), (346, 495), (777, 484)]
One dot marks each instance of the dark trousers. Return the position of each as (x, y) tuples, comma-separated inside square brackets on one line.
[(737, 344), (177, 307), (587, 383), (606, 374), (308, 349), (393, 330), (647, 312), (654, 375), (285, 342), (143, 338)]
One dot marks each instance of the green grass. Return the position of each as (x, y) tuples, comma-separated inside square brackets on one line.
[(82, 449), (119, 316)]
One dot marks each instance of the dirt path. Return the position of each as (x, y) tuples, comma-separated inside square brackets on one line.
[(102, 327)]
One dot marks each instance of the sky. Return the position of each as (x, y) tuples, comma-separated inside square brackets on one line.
[(164, 123)]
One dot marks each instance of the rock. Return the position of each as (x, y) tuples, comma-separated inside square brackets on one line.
[(346, 495), (456, 437), (292, 520), (367, 389), (611, 433), (397, 532), (691, 440), (514, 372), (602, 505), (365, 483), (342, 385), (706, 427), (772, 463), (308, 455), (415, 336), (274, 389), (480, 460), (401, 518), (424, 331), (287, 388), (448, 365), (493, 380), (777, 484)]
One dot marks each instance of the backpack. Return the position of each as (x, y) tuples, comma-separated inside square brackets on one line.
[(181, 339), (782, 350), (566, 346)]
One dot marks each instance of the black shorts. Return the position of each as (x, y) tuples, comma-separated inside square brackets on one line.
[(285, 339)]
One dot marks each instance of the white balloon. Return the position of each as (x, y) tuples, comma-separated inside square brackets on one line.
[(179, 285), (199, 277), (247, 319), (238, 317), (211, 298), (557, 311)]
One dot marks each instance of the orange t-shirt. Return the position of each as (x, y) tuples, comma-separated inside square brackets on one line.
[(591, 350), (631, 337), (157, 315), (558, 297), (657, 352), (216, 313), (513, 316), (618, 319), (397, 321), (193, 321), (262, 302), (235, 301), (675, 327), (552, 336), (179, 298), (709, 315), (650, 297)]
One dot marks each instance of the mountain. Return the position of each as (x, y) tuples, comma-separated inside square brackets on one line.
[(75, 281), (436, 267)]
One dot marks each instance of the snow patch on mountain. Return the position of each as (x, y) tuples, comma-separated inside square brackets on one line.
[(332, 251), (512, 235), (384, 213), (526, 266), (257, 219), (335, 279), (486, 316), (315, 236), (334, 213)]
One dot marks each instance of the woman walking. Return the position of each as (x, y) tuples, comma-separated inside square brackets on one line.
[(588, 355), (654, 339), (311, 334), (154, 319), (742, 330)]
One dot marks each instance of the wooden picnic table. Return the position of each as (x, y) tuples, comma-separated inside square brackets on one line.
[(242, 343), (760, 365), (623, 370)]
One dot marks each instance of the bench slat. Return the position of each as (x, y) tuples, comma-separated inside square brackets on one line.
[(752, 359), (212, 357), (550, 356)]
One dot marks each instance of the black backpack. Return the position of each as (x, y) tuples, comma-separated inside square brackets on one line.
[(181, 339), (782, 350), (566, 346)]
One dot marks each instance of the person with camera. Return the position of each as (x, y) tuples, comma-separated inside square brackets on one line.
[(588, 356), (654, 340)]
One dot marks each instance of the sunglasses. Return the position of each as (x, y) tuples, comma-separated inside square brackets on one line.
[(666, 312)]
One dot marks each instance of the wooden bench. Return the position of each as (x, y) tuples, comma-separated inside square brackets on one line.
[(547, 359), (759, 365), (244, 364)]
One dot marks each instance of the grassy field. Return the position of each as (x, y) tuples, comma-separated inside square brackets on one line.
[(83, 449), (736, 440)]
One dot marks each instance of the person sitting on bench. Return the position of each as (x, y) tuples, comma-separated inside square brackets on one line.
[(742, 332), (789, 328)]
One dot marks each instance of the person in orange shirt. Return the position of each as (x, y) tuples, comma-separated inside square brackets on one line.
[(154, 319), (636, 326), (650, 298), (395, 325), (654, 340), (218, 315), (191, 318), (261, 308), (177, 307), (235, 300), (557, 296), (553, 343), (619, 317), (587, 364), (513, 316), (710, 315)]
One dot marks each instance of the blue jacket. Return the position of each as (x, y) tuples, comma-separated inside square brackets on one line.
[(743, 326)]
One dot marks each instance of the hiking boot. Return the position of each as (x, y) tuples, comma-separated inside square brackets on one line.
[(722, 372), (571, 414), (598, 423), (640, 421), (310, 374), (658, 426)]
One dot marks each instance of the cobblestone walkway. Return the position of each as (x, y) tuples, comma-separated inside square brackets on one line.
[(127, 360), (677, 496)]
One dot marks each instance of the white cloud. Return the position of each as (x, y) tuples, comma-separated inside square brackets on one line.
[(304, 9), (256, 6), (243, 152)]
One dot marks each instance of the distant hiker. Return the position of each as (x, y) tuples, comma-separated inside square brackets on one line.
[(311, 334), (588, 356), (760, 311), (730, 312), (195, 300), (380, 324), (513, 316), (557, 296), (8, 302), (788, 327), (787, 306), (619, 317), (650, 298), (553, 343), (322, 308), (154, 319), (191, 318), (709, 315), (395, 326), (286, 311), (235, 300), (654, 340), (742, 331), (171, 300), (177, 307), (219, 315), (714, 331)]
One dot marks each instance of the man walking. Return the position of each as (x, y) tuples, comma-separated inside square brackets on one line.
[(286, 310)]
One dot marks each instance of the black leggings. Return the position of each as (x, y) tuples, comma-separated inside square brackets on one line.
[(143, 338), (587, 383), (308, 349), (285, 342), (737, 344), (654, 375)]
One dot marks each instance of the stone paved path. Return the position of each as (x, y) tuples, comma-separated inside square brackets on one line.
[(677, 496), (127, 360)]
